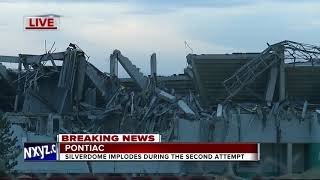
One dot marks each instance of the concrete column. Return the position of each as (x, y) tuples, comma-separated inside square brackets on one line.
[(43, 125), (272, 83), (289, 158), (189, 131), (153, 65), (50, 124), (282, 85), (229, 170), (16, 102), (113, 65)]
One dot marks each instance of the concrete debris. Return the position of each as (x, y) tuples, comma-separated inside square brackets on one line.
[(132, 70), (153, 65), (183, 106), (100, 102), (166, 96), (219, 110), (76, 97), (283, 52), (3, 72), (98, 78), (304, 110)]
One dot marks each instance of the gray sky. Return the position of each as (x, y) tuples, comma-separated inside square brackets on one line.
[(139, 28)]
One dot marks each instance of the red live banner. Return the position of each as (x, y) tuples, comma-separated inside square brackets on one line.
[(157, 148)]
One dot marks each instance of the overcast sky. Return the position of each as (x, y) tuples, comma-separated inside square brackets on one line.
[(139, 28)]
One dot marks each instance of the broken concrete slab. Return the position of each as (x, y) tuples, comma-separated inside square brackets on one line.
[(185, 108)]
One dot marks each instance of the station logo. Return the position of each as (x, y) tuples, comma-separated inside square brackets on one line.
[(40, 151), (42, 22)]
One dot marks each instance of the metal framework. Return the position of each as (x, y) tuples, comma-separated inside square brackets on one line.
[(286, 51)]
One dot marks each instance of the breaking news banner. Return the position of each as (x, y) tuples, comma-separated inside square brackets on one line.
[(40, 151), (136, 147), (158, 152), (109, 138)]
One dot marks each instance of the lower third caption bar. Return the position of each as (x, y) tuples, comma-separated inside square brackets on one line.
[(159, 156)]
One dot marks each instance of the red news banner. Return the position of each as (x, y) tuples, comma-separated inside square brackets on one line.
[(148, 147)]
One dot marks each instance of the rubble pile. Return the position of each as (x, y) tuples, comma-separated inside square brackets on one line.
[(90, 101), (271, 97), (146, 111), (64, 90)]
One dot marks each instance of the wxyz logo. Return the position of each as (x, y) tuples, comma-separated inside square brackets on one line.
[(39, 151)]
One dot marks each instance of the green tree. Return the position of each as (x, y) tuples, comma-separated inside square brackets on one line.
[(8, 148)]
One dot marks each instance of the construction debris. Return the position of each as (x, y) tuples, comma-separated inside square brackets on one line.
[(70, 91), (282, 52), (46, 98)]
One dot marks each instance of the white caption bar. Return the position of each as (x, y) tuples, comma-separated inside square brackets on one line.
[(159, 157)]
